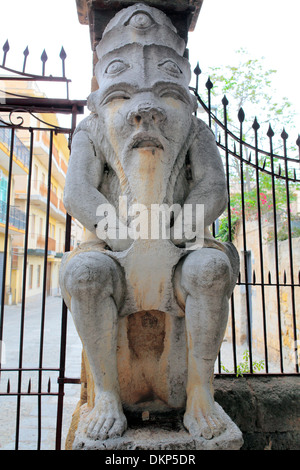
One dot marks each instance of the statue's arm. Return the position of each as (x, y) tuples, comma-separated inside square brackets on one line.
[(81, 195), (209, 183), (208, 175)]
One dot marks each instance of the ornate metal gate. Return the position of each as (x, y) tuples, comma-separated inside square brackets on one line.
[(265, 313), (36, 230)]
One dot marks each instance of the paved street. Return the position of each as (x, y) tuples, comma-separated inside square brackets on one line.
[(31, 352)]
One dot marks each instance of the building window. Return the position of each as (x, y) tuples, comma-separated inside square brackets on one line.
[(35, 176), (30, 275), (41, 226), (38, 281)]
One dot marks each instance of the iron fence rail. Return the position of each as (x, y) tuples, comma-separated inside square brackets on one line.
[(279, 168)]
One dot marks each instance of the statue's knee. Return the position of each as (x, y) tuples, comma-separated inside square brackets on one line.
[(89, 275), (207, 270)]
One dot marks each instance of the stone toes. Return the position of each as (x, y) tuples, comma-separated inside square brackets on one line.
[(105, 428), (117, 429), (94, 428), (207, 427)]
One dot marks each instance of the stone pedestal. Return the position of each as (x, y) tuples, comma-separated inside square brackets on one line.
[(160, 432)]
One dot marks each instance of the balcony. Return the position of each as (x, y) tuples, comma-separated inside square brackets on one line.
[(17, 218), (39, 195), (21, 154), (41, 151), (43, 189), (37, 242)]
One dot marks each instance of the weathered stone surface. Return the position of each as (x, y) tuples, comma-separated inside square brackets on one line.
[(266, 410), (165, 433), (97, 14), (150, 305)]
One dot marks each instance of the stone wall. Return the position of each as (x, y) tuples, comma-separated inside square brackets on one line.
[(271, 307), (266, 409)]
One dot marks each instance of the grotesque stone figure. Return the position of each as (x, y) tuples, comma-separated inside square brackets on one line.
[(151, 311)]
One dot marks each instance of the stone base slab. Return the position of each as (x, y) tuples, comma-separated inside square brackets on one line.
[(150, 436)]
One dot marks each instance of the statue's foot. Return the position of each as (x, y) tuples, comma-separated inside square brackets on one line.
[(202, 416), (106, 420)]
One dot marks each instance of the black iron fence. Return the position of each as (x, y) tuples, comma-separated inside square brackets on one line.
[(25, 262), (263, 221)]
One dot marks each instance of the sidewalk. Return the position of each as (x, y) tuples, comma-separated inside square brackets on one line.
[(28, 434)]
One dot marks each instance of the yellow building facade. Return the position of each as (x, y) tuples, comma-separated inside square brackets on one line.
[(41, 272)]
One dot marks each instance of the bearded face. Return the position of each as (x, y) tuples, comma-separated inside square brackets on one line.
[(145, 112)]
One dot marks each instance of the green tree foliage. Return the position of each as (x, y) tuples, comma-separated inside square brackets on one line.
[(248, 85)]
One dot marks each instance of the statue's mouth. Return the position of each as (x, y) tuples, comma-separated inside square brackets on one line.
[(146, 141)]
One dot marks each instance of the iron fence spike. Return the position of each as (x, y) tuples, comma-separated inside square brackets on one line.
[(63, 56), (255, 125), (29, 386), (225, 101), (241, 115), (8, 386), (254, 277), (209, 85), (49, 385), (44, 59), (62, 53), (284, 277), (26, 53), (197, 70), (284, 134), (270, 132), (44, 56), (5, 49), (269, 278)]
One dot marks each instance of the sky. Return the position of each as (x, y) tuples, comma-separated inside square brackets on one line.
[(265, 28)]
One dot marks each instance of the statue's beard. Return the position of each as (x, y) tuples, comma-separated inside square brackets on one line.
[(144, 175)]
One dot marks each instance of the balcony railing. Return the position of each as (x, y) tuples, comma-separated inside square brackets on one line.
[(20, 150), (17, 218), (42, 189), (37, 241)]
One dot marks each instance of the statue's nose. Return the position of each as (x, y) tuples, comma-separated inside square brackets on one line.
[(146, 113)]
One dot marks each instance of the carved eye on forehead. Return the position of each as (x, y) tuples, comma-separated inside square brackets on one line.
[(170, 67), (116, 66), (140, 20)]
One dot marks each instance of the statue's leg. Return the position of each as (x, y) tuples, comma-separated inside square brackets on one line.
[(95, 284), (205, 283)]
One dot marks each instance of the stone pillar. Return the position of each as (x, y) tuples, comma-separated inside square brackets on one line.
[(97, 14)]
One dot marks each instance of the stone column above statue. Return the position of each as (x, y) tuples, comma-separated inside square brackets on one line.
[(151, 310)]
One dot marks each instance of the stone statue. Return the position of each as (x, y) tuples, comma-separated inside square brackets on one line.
[(151, 311)]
